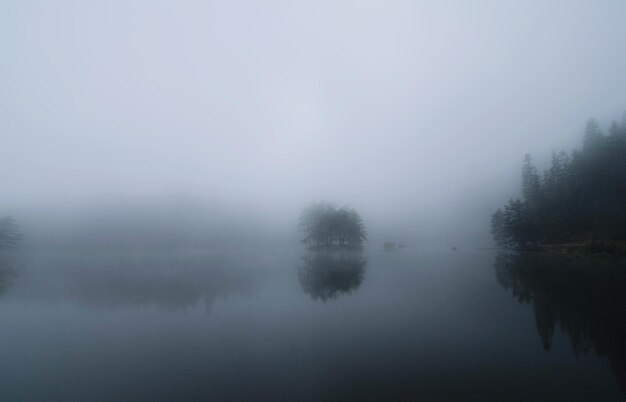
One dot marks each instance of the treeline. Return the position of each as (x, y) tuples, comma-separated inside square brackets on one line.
[(325, 225), (582, 196)]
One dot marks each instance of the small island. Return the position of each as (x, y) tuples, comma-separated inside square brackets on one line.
[(327, 227)]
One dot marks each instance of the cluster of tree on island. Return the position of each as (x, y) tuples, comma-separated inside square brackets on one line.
[(325, 226), (582, 196)]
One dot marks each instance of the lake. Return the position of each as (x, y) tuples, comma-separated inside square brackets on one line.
[(285, 324)]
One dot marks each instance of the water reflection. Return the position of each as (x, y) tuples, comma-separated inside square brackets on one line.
[(7, 272), (325, 275), (171, 282), (586, 299)]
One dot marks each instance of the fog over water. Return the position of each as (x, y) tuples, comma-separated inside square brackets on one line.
[(417, 114), (312, 200)]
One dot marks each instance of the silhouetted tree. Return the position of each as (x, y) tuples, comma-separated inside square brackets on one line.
[(324, 225), (593, 138), (497, 229), (581, 196), (515, 223), (531, 187)]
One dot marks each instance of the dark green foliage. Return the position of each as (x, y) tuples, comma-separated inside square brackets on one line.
[(324, 225), (531, 187), (497, 228), (10, 235), (581, 196)]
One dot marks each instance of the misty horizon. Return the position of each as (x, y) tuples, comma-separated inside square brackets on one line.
[(209, 200), (418, 115)]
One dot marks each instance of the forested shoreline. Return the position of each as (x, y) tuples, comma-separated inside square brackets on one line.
[(580, 200)]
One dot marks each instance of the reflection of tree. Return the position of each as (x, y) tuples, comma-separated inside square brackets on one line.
[(10, 237), (587, 300), (326, 275), (171, 283), (10, 234), (7, 272)]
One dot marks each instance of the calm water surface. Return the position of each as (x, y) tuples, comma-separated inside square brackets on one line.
[(290, 325)]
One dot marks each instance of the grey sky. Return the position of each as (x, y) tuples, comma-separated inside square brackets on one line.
[(400, 108)]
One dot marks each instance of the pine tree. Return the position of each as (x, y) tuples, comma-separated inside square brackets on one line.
[(580, 197), (531, 184), (497, 229), (593, 136)]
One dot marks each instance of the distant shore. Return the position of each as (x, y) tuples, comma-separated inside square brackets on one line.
[(583, 248)]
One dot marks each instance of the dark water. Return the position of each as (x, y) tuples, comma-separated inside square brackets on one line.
[(286, 325)]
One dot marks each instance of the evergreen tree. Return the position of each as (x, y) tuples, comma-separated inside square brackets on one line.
[(515, 223), (324, 225), (497, 229), (581, 196), (531, 187)]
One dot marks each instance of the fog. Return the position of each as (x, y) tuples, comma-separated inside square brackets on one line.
[(417, 114)]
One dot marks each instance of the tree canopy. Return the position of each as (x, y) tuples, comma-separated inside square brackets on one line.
[(325, 225), (581, 196)]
